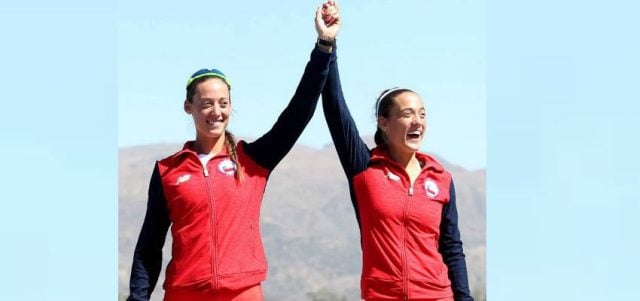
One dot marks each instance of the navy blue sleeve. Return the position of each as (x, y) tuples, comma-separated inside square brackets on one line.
[(353, 152), (269, 149), (147, 257), (450, 246)]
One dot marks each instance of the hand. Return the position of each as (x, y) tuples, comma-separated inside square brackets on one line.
[(328, 20), (330, 12)]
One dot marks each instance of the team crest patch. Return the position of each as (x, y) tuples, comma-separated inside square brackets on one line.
[(227, 167), (431, 188)]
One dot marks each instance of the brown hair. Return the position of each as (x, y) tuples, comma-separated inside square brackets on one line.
[(230, 143)]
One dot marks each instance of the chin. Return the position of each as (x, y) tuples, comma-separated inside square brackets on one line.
[(213, 134), (414, 147), (216, 134)]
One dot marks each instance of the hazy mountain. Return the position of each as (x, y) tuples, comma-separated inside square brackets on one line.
[(308, 224)]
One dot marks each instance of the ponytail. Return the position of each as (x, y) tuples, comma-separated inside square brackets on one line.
[(230, 143), (379, 138)]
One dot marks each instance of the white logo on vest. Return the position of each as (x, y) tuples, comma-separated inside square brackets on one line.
[(393, 177), (183, 179)]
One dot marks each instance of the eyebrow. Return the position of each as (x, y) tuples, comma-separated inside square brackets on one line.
[(411, 109), (215, 99)]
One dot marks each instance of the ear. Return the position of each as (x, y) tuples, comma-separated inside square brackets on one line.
[(187, 107), (382, 123)]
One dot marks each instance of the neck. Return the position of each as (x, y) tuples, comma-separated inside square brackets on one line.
[(404, 159), (207, 145)]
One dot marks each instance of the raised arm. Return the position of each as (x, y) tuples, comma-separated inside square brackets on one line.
[(147, 258), (353, 152), (451, 249), (269, 149)]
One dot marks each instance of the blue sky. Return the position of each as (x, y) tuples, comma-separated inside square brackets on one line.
[(561, 120), (437, 48)]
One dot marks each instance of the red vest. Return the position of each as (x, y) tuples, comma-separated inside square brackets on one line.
[(215, 221), (400, 227)]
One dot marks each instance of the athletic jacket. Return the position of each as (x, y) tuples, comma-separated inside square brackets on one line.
[(410, 240), (214, 219)]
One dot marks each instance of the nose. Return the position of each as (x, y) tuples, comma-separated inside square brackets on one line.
[(417, 121), (216, 109)]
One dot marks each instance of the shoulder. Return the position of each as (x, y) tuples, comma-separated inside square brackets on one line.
[(431, 164), (175, 159), (247, 162)]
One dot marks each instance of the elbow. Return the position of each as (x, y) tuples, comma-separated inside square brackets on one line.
[(451, 251)]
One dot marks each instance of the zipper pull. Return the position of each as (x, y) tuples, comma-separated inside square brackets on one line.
[(206, 172), (406, 297), (411, 190)]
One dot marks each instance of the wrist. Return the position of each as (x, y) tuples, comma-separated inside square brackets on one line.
[(326, 41), (323, 48)]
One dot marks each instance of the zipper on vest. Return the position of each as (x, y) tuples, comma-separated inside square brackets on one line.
[(214, 231), (405, 265), (205, 170)]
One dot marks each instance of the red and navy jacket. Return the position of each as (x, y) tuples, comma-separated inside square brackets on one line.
[(410, 240), (214, 219)]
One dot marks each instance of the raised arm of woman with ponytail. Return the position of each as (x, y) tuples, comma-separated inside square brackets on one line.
[(269, 149)]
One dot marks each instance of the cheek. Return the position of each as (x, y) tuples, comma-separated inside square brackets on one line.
[(402, 125), (227, 113), (200, 114), (397, 131)]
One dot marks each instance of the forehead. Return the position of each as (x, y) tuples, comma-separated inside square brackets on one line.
[(408, 100), (212, 87)]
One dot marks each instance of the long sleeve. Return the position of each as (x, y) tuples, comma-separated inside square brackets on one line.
[(451, 249), (353, 152), (147, 257), (269, 149)]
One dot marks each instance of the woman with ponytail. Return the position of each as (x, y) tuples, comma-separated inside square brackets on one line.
[(404, 200), (211, 191)]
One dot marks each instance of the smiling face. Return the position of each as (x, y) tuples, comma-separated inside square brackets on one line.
[(405, 125), (210, 108)]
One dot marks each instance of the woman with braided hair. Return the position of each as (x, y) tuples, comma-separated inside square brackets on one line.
[(211, 191)]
